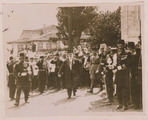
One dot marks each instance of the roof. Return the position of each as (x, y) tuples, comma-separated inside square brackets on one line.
[(42, 34)]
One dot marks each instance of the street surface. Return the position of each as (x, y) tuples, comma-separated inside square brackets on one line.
[(54, 102)]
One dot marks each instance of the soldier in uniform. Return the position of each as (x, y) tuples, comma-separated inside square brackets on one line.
[(11, 80), (102, 56), (22, 79), (58, 64), (94, 67), (109, 76), (122, 77)]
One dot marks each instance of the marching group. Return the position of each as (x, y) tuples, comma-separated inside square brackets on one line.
[(118, 70)]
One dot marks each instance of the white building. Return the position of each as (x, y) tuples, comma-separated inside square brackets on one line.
[(45, 39)]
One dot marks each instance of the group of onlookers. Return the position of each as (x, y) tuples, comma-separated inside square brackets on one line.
[(118, 70)]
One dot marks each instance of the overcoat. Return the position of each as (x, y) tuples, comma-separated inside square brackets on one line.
[(70, 75)]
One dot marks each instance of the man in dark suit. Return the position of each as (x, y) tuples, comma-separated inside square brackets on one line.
[(122, 76), (70, 70), (42, 75), (58, 64), (11, 80), (22, 79)]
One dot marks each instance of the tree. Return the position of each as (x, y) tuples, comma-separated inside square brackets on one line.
[(81, 17), (106, 27)]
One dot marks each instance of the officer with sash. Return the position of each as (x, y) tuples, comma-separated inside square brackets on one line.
[(122, 77)]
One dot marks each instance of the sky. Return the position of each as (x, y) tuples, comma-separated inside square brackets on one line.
[(19, 17)]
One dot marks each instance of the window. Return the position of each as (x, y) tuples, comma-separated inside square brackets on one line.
[(48, 45), (40, 46), (20, 47)]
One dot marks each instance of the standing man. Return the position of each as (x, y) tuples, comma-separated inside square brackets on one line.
[(58, 64), (11, 80), (94, 66), (109, 76), (122, 76), (41, 74), (34, 73), (86, 65), (22, 79), (69, 68)]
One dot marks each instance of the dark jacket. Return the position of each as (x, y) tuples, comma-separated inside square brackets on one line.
[(58, 64), (71, 76), (22, 81)]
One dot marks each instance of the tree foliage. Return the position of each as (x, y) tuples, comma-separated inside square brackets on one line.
[(81, 18), (106, 27)]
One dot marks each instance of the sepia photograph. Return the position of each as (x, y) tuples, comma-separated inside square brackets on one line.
[(73, 59)]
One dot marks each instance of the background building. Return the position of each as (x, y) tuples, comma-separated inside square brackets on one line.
[(44, 39), (131, 22)]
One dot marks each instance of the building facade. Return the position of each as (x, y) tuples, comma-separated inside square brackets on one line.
[(131, 22), (44, 39)]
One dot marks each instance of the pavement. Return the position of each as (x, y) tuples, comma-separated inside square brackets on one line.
[(54, 102)]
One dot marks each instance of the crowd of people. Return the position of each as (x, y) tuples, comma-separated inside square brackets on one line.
[(117, 70)]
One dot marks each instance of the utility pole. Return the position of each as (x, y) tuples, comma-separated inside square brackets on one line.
[(70, 30)]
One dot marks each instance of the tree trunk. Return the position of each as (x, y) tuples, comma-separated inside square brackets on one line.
[(76, 39)]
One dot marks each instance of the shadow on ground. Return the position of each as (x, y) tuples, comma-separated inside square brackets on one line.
[(65, 100)]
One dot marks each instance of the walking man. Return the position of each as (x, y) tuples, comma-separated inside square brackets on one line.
[(11, 80), (70, 71), (22, 79)]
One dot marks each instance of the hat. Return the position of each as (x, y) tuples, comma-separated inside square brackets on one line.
[(131, 45), (11, 58), (121, 42), (41, 56), (26, 57), (22, 54)]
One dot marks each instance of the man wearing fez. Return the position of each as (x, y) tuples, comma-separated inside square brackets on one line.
[(58, 64), (70, 70), (11, 80), (136, 82), (22, 79), (41, 74), (122, 77), (94, 66)]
